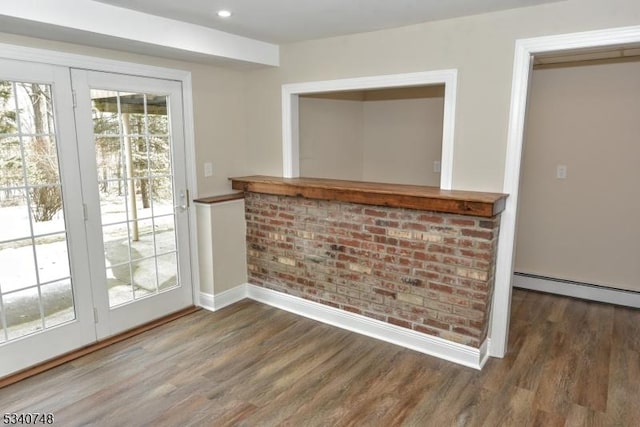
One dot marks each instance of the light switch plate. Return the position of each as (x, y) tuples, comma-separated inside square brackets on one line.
[(436, 166), (208, 169), (561, 171)]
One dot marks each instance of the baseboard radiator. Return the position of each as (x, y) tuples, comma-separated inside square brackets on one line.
[(580, 290)]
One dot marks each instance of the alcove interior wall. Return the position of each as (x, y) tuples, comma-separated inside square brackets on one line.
[(582, 228), (384, 135)]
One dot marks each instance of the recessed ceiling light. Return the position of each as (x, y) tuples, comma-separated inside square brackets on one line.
[(224, 13)]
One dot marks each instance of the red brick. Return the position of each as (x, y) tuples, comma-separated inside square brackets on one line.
[(286, 216), (356, 209), (413, 245), (488, 224), (426, 256), (481, 265), (467, 332), (387, 223), (349, 226), (376, 316), (475, 254), (440, 287), (480, 234), (349, 242), (414, 226), (431, 218), (452, 319), (457, 261), (375, 230), (385, 293), (436, 324), (426, 330), (394, 250), (441, 249), (427, 274), (385, 240), (465, 243), (372, 246), (347, 258), (399, 322), (462, 222), (327, 238), (375, 212)]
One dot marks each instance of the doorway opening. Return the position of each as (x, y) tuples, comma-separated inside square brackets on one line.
[(525, 51), (577, 234)]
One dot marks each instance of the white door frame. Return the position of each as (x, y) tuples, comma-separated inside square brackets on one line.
[(290, 125), (523, 61), (71, 60)]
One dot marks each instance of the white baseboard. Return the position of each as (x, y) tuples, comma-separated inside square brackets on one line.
[(577, 290), (434, 346), (216, 302)]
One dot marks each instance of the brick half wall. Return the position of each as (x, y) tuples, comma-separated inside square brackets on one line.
[(426, 271)]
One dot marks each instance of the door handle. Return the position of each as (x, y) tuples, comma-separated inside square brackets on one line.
[(184, 198)]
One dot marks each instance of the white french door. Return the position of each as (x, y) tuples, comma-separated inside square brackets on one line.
[(46, 305), (131, 145), (93, 208)]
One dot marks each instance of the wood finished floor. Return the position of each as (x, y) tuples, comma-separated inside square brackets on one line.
[(570, 362)]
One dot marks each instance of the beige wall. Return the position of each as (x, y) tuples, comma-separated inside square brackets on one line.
[(402, 139), (481, 48), (393, 141), (331, 138), (585, 227)]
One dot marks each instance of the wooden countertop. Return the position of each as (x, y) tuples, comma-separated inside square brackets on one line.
[(380, 194), (219, 199)]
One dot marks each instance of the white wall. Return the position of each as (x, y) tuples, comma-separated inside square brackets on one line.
[(583, 228)]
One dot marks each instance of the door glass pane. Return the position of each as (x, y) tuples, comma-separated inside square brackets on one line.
[(133, 156), (167, 271), (41, 161), (45, 204), (34, 260), (52, 258), (18, 265), (57, 303), (14, 210), (165, 234), (119, 284), (22, 310)]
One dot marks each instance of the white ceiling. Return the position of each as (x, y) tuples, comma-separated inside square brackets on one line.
[(284, 21)]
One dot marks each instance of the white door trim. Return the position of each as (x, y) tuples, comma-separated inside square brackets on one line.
[(290, 129), (524, 51)]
